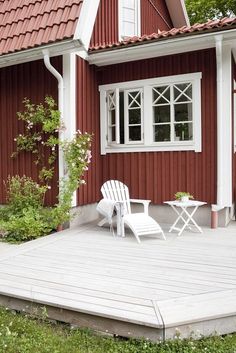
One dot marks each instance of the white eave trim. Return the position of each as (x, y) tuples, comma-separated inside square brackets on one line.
[(178, 13), (86, 22), (56, 49), (154, 49)]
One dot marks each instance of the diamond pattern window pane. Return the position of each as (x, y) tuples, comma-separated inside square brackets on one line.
[(134, 99), (111, 101), (183, 92), (161, 95)]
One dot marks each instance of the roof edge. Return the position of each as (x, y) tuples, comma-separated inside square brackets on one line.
[(178, 13), (158, 48), (86, 22), (27, 55)]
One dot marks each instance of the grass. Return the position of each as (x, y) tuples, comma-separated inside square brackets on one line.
[(25, 334)]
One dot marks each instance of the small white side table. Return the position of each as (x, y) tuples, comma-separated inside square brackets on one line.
[(181, 209)]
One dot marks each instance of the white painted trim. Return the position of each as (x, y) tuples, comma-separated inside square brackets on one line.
[(117, 113), (137, 10), (103, 122), (151, 148), (69, 74), (161, 47), (178, 13), (148, 144), (224, 123), (152, 81), (86, 22), (56, 49)]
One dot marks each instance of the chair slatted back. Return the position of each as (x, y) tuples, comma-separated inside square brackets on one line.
[(117, 191)]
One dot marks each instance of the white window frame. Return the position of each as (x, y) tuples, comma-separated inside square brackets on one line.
[(137, 25), (148, 145)]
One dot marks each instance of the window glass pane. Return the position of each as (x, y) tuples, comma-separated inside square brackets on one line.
[(161, 95), (134, 99), (161, 114), (113, 133), (184, 132), (122, 131), (183, 112), (112, 117), (135, 116), (135, 133), (183, 92), (162, 133)]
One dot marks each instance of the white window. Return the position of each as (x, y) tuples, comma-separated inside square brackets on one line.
[(159, 114), (129, 18)]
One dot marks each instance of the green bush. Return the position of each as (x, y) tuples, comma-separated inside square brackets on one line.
[(30, 224), (24, 193), (24, 218)]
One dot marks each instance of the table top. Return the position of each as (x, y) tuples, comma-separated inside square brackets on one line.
[(190, 203)]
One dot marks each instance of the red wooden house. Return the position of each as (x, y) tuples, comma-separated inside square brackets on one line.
[(156, 93)]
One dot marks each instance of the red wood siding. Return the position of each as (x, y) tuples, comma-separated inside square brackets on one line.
[(31, 80), (159, 175), (154, 16), (106, 24), (88, 120)]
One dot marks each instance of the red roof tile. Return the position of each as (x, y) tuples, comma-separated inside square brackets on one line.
[(211, 25), (25, 24)]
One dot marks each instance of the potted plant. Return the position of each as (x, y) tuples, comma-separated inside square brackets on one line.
[(183, 196)]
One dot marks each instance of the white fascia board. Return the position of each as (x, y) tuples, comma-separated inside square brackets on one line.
[(57, 49), (159, 48), (86, 22), (178, 13)]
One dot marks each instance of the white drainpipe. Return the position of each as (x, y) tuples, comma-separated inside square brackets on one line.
[(60, 105)]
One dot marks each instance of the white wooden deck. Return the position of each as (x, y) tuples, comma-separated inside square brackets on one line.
[(87, 277)]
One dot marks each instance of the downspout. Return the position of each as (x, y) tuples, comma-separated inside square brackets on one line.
[(59, 78)]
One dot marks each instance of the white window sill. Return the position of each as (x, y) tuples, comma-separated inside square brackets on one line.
[(152, 148)]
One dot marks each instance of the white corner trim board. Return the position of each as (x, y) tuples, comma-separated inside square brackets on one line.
[(224, 122)]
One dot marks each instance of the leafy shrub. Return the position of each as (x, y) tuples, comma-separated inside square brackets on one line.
[(24, 193), (24, 217), (29, 225)]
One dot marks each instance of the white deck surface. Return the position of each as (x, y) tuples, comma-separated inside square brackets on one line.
[(187, 282)]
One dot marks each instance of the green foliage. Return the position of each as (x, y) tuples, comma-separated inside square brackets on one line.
[(24, 217), (180, 194), (23, 192), (42, 122), (77, 157), (200, 11), (31, 224), (25, 334)]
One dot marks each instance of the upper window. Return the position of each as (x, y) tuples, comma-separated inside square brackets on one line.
[(129, 18), (151, 115)]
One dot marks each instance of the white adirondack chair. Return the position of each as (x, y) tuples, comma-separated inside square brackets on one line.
[(139, 223)]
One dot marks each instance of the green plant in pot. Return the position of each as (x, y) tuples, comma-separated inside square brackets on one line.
[(183, 196)]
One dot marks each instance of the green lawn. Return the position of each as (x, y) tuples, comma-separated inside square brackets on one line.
[(22, 334)]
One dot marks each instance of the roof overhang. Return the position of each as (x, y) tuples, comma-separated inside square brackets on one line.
[(160, 47), (178, 13), (55, 49)]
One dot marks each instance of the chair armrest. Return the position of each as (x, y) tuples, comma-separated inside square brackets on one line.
[(144, 202)]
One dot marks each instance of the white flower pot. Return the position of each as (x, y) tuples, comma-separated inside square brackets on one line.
[(184, 198)]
